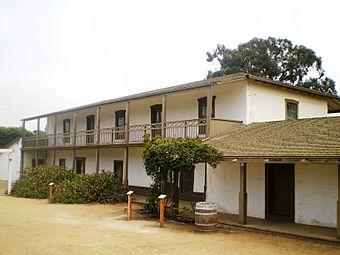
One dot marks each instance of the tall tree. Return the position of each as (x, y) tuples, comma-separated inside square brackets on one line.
[(7, 134), (276, 59)]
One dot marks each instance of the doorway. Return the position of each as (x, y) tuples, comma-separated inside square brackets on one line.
[(156, 120), (118, 169), (90, 129), (280, 192), (80, 165)]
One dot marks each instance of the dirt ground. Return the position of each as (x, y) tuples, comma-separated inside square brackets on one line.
[(30, 226)]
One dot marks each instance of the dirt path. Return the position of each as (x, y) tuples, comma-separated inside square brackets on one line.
[(29, 226)]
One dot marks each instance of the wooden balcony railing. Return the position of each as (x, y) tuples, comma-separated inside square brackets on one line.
[(134, 134)]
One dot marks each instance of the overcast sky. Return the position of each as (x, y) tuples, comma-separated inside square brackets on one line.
[(60, 54)]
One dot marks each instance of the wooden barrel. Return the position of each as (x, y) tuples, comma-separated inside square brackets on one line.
[(206, 216)]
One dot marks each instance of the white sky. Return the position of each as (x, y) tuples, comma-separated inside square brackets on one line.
[(60, 54)]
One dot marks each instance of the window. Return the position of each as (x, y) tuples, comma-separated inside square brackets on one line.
[(80, 165), (120, 125), (66, 130), (62, 162), (156, 120), (40, 162), (90, 129), (202, 113), (291, 109)]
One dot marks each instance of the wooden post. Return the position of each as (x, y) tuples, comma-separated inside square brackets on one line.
[(126, 167), (209, 110), (98, 139), (164, 104), (205, 179), (50, 197), (127, 121), (242, 216), (54, 138), (130, 193), (22, 149), (338, 205), (37, 142), (74, 142), (161, 210)]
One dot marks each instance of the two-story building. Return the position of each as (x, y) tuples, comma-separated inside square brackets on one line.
[(109, 134)]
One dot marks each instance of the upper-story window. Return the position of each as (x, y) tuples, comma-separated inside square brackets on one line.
[(90, 129), (292, 109), (120, 124), (66, 130), (156, 120), (202, 107)]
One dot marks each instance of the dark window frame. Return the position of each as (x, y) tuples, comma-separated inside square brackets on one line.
[(287, 112), (203, 101), (62, 162), (120, 129)]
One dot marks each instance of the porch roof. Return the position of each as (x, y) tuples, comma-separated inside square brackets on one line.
[(314, 138)]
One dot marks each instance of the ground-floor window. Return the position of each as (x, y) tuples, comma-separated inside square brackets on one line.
[(118, 169), (62, 162), (80, 165)]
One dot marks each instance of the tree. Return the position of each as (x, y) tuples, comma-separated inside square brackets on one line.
[(164, 158), (7, 134), (276, 59)]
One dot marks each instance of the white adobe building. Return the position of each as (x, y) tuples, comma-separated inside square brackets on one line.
[(109, 135)]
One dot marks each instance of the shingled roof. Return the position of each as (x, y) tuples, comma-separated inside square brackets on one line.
[(304, 138)]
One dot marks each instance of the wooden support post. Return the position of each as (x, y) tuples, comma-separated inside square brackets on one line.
[(205, 179), (242, 216), (129, 194), (98, 139), (127, 121), (164, 104), (54, 138), (161, 210), (126, 167), (209, 110), (37, 142), (74, 142), (50, 196), (22, 149), (338, 205)]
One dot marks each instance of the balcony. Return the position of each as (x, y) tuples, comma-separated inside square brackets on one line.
[(196, 128)]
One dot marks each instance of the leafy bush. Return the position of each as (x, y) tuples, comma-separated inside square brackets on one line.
[(70, 188), (102, 188), (34, 182)]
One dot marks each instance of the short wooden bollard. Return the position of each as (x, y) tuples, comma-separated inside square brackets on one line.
[(50, 197), (130, 193), (161, 210)]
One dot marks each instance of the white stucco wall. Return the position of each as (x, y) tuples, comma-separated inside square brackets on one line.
[(224, 188), (137, 175), (199, 178), (267, 103), (316, 194), (14, 162)]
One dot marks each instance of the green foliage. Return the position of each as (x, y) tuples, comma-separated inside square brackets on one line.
[(69, 186), (8, 134), (276, 59), (102, 188), (34, 182), (163, 156)]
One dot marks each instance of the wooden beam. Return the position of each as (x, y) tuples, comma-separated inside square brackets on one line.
[(37, 141), (164, 109), (338, 205), (22, 158), (74, 142), (54, 138), (126, 167), (209, 109), (242, 216), (98, 138), (127, 121)]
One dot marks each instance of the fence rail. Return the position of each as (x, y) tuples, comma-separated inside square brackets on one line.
[(195, 128)]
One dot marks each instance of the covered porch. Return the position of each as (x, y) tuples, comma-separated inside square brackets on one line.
[(287, 174)]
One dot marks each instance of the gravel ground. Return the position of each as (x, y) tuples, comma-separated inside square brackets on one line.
[(30, 226)]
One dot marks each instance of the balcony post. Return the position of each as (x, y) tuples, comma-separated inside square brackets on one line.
[(164, 104), (54, 138), (242, 215), (127, 121), (338, 206), (126, 167), (37, 141), (74, 141), (98, 139), (22, 148), (209, 109)]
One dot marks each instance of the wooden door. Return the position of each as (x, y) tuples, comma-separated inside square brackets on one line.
[(90, 129), (280, 192), (120, 125), (80, 165)]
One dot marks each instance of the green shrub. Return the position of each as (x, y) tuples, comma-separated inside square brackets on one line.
[(34, 182), (102, 188)]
